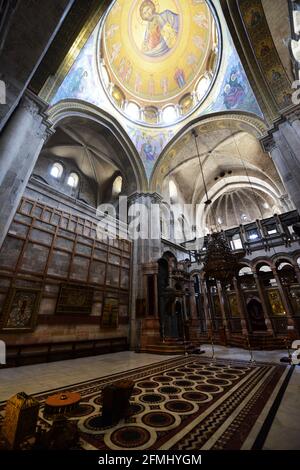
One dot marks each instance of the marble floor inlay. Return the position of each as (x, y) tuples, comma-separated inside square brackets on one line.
[(183, 389)]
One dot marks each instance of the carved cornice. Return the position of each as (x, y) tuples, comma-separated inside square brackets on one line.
[(136, 197), (38, 109), (268, 143)]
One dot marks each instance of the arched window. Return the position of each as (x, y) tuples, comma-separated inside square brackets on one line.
[(169, 114), (117, 186), (172, 190), (73, 180), (56, 170), (133, 110)]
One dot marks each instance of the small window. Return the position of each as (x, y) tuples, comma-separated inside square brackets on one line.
[(236, 243), (73, 180), (117, 186), (57, 170)]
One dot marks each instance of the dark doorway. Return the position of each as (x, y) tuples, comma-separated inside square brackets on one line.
[(256, 315)]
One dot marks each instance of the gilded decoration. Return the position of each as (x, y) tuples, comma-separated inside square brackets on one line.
[(255, 22), (156, 51), (276, 302), (233, 302)]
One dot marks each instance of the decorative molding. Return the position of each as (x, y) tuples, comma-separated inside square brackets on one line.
[(259, 35)]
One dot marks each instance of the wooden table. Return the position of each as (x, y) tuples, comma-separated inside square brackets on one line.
[(62, 403)]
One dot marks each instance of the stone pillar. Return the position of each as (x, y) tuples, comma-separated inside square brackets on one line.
[(241, 305), (192, 300), (297, 272), (285, 300), (20, 145), (26, 34), (206, 306), (223, 311), (286, 163), (144, 208), (262, 297)]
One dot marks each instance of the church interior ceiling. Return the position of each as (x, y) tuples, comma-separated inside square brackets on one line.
[(154, 110)]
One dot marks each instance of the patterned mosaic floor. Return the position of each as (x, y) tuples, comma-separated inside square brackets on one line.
[(185, 403)]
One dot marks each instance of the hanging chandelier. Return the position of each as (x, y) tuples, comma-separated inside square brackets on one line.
[(220, 262)]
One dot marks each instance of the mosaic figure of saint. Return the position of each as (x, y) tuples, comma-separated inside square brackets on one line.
[(164, 85), (111, 31), (151, 86), (234, 91), (116, 49), (201, 20), (148, 151), (138, 83), (199, 43), (179, 78), (161, 29)]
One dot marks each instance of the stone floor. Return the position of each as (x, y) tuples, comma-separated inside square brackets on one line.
[(285, 430)]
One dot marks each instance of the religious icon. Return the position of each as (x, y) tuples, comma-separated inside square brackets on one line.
[(199, 42), (234, 91), (116, 49), (192, 61), (276, 75), (255, 18), (111, 31), (148, 151), (151, 86), (265, 50), (21, 309), (201, 20), (164, 85), (161, 29), (138, 83), (179, 78)]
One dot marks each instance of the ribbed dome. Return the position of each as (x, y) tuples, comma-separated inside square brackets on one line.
[(241, 206)]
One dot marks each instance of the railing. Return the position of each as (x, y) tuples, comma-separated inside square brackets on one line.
[(262, 239)]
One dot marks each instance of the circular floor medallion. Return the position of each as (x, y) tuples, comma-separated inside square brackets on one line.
[(196, 396), (169, 390), (158, 419), (152, 398), (130, 437), (209, 388), (148, 384), (179, 406)]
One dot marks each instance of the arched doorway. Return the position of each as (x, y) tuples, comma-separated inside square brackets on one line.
[(256, 315)]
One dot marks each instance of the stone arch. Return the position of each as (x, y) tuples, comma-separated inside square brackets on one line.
[(252, 123), (81, 109)]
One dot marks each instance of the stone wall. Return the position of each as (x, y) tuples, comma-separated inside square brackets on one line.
[(85, 191), (52, 243)]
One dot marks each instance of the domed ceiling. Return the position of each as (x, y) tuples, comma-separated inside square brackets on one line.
[(158, 59)]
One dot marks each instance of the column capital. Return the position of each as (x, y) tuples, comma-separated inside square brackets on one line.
[(268, 143), (292, 113), (154, 197)]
